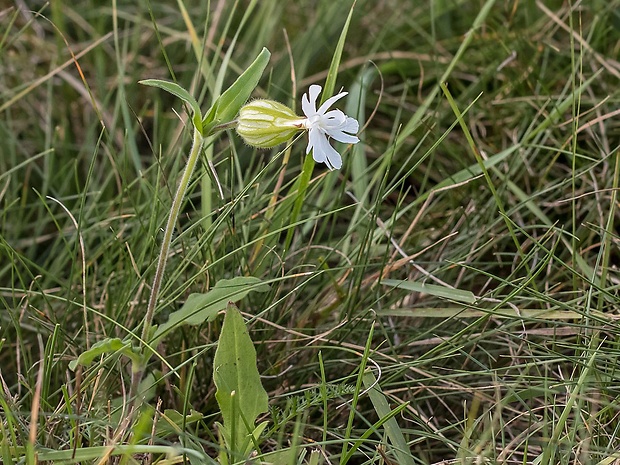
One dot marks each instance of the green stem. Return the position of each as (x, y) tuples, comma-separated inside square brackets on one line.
[(177, 201), (205, 190), (172, 219), (197, 146), (220, 127)]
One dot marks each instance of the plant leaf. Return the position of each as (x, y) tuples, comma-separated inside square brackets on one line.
[(432, 289), (332, 73), (173, 421), (181, 93), (104, 346), (201, 308), (225, 108), (240, 394), (391, 427)]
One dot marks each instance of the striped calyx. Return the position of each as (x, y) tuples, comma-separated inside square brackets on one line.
[(266, 123)]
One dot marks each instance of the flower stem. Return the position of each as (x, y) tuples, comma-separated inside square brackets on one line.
[(172, 219), (139, 367), (220, 127)]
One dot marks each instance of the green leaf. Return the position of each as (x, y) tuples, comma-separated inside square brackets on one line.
[(201, 308), (255, 436), (332, 73), (104, 346), (355, 106), (184, 95), (285, 456), (172, 422), (222, 433), (391, 427), (240, 394), (209, 120), (225, 108), (432, 289)]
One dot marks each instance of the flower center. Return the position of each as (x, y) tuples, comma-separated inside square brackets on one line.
[(314, 122)]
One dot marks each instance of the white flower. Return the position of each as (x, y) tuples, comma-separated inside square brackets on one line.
[(322, 124)]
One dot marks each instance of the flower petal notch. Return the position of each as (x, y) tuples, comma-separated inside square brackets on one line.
[(323, 124)]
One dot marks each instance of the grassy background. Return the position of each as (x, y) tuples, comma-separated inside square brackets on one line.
[(515, 202)]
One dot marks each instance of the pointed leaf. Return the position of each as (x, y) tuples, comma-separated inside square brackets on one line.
[(181, 93), (332, 73), (104, 346), (174, 422), (391, 427), (254, 437), (240, 394), (432, 289), (209, 120), (226, 107), (201, 308)]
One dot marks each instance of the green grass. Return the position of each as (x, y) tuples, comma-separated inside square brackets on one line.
[(501, 185)]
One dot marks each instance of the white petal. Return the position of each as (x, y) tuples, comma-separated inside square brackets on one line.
[(314, 137), (333, 119), (330, 101), (323, 124), (338, 127), (342, 137), (309, 105), (325, 153), (351, 125), (334, 160)]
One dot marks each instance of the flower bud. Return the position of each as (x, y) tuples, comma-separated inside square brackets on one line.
[(266, 123)]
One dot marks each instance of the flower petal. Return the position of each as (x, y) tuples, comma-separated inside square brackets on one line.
[(334, 160), (308, 101), (322, 151), (343, 137), (338, 125), (333, 119), (323, 124), (314, 136), (329, 102), (351, 125)]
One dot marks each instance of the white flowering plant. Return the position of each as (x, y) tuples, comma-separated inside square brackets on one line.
[(266, 123), (261, 123)]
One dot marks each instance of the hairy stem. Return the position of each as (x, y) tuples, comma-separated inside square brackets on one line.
[(177, 201), (172, 219)]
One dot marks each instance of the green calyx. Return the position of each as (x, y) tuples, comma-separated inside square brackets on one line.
[(266, 123)]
